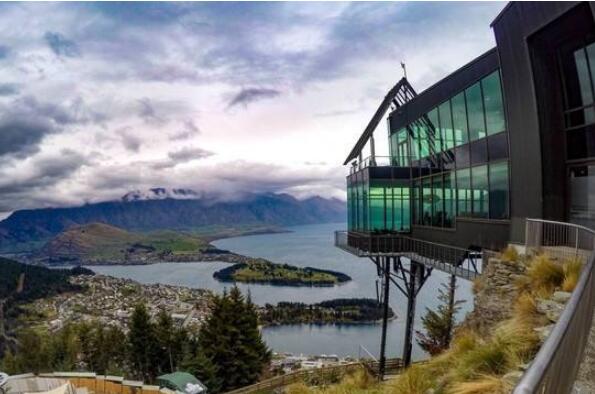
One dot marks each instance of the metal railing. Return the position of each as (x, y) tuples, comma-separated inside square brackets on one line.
[(389, 161), (462, 262), (323, 375), (555, 367)]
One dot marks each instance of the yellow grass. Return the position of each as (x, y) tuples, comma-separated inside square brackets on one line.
[(572, 270), (545, 275), (487, 384), (509, 254)]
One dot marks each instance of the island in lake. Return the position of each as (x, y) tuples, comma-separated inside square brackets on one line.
[(337, 311), (264, 272)]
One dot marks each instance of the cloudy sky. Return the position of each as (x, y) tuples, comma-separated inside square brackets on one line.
[(97, 99)]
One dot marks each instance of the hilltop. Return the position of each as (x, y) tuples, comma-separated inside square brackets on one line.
[(99, 242), (28, 230)]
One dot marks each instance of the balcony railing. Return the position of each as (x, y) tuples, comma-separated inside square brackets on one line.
[(556, 365), (462, 262)]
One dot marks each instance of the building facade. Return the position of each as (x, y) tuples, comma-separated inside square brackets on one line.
[(508, 136)]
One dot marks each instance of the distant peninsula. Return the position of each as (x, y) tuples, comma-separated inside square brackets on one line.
[(264, 272), (337, 311)]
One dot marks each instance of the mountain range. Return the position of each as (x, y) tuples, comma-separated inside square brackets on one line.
[(160, 209)]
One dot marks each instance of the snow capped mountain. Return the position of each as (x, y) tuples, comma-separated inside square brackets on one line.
[(160, 193)]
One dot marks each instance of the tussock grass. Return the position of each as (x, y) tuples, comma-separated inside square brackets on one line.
[(416, 380), (509, 254), (487, 384), (572, 270), (545, 275)]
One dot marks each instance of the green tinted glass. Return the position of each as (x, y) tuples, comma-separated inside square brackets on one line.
[(459, 119), (492, 98), (479, 179), (475, 112), (446, 132), (499, 190)]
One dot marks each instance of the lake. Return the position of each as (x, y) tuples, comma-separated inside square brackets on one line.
[(310, 245)]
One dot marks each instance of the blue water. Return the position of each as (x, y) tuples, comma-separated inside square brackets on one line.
[(310, 245)]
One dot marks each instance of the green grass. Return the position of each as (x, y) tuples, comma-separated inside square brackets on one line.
[(98, 241)]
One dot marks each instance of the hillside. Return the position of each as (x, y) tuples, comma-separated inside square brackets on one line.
[(27, 229), (102, 242)]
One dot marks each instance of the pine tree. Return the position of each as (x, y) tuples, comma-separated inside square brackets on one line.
[(198, 364), (438, 324), (231, 340), (143, 344)]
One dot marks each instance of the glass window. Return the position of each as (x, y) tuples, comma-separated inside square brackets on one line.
[(403, 148), (405, 223), (459, 119), (446, 133), (414, 138), (424, 142), (492, 99), (416, 197), (462, 156), (479, 152), (437, 201), (499, 190), (427, 201), (464, 192), (449, 198), (498, 147), (377, 208), (581, 143), (434, 131), (475, 112), (479, 181)]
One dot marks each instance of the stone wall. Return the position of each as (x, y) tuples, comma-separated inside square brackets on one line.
[(495, 294)]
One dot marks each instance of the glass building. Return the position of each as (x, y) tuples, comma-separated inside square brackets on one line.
[(508, 136)]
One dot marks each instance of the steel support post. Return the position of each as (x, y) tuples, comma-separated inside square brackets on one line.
[(386, 287), (412, 293)]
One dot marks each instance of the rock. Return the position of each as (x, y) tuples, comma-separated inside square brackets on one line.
[(512, 378), (544, 332), (561, 297), (551, 309)]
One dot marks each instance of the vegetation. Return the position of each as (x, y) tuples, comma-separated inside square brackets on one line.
[(345, 310), (232, 341), (475, 364), (262, 271), (228, 352), (99, 242), (439, 324)]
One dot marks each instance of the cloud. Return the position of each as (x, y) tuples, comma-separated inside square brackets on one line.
[(189, 130), (130, 141), (249, 95), (188, 154), (20, 135), (4, 51), (8, 89), (60, 45), (148, 113), (43, 170)]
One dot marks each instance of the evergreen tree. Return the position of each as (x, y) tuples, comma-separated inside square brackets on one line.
[(198, 364), (231, 340), (143, 344), (438, 324)]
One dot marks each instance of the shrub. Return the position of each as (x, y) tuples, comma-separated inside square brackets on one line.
[(545, 275)]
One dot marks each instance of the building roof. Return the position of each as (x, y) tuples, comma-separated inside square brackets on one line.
[(183, 382)]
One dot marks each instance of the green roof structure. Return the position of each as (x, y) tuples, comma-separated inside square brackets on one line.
[(182, 382)]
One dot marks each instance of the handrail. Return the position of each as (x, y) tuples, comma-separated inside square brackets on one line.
[(556, 365)]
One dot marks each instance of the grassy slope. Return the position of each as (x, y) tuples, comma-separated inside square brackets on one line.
[(101, 241)]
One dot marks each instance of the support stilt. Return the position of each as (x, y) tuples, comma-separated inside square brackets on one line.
[(411, 289), (386, 287)]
